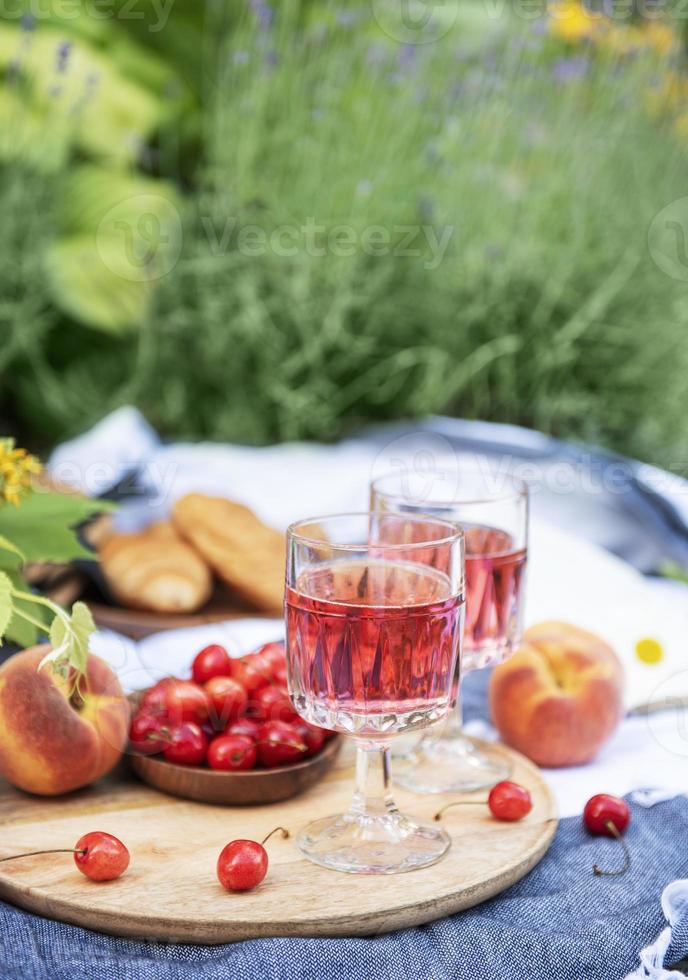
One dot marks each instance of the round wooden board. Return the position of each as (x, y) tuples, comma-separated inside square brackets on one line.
[(170, 891)]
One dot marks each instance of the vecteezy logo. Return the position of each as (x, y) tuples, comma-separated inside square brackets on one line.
[(140, 238), (415, 21), (667, 239)]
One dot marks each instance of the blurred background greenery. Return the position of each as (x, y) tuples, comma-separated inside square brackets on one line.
[(262, 222)]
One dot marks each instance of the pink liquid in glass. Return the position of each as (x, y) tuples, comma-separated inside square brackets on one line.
[(494, 585), (372, 645)]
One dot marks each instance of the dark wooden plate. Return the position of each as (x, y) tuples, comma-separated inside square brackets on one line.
[(255, 786)]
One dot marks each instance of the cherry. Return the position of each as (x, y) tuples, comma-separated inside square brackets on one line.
[(100, 856), (272, 654), (211, 661), (243, 864), (179, 700), (280, 676), (273, 704), (245, 726), (249, 675), (608, 816), (605, 814), (187, 745), (313, 737), (232, 753), (509, 801), (227, 698), (145, 734), (280, 744)]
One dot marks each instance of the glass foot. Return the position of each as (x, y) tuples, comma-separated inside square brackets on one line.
[(453, 764), (384, 843)]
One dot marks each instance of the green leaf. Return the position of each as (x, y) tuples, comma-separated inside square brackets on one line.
[(69, 638), (10, 555), (6, 603), (41, 527), (20, 631)]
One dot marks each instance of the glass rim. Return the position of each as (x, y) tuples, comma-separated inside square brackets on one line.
[(517, 491), (457, 533)]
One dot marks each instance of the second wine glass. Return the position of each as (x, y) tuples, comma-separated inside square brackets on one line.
[(492, 509)]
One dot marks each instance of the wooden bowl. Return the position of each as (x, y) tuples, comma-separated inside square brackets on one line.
[(255, 786)]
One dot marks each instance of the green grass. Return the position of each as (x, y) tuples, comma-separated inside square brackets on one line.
[(546, 308)]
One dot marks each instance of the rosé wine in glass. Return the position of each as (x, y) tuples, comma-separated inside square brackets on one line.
[(373, 645), (494, 582), (373, 610)]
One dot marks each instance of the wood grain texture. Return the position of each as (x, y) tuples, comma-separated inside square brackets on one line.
[(170, 891)]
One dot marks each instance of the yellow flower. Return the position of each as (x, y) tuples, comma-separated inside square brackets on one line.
[(571, 21), (659, 37), (16, 469)]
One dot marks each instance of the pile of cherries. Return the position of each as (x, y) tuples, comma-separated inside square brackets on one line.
[(235, 714)]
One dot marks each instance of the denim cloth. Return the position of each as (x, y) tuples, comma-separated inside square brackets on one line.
[(560, 921)]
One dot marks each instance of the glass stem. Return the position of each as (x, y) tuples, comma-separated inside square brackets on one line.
[(373, 795)]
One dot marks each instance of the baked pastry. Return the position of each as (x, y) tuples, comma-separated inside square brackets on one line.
[(155, 569), (246, 554)]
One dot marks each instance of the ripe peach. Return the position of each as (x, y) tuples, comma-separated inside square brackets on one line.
[(51, 742), (559, 698)]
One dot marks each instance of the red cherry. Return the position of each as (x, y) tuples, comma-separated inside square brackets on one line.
[(179, 700), (509, 801), (145, 734), (154, 700), (212, 661), (232, 753), (609, 816), (242, 865), (313, 737), (251, 675), (273, 654), (100, 856), (604, 810), (273, 704), (280, 676), (280, 744), (187, 745), (245, 726), (227, 698)]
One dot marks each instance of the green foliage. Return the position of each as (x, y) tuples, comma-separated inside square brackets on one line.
[(42, 527), (529, 170)]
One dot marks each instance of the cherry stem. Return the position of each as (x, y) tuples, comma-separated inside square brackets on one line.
[(614, 831), (52, 850), (438, 815), (282, 831)]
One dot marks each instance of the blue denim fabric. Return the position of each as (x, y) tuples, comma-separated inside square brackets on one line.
[(560, 921)]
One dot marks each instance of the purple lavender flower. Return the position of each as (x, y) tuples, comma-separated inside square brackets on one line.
[(27, 23), (263, 12), (569, 69), (406, 56), (346, 18), (64, 49), (240, 57), (272, 59)]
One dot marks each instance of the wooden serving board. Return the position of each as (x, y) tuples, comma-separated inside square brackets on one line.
[(170, 891)]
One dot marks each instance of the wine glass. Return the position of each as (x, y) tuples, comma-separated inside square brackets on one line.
[(374, 605), (493, 511)]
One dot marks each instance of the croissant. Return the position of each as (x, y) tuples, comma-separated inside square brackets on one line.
[(248, 556), (154, 569)]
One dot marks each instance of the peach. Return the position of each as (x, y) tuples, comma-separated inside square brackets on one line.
[(559, 697), (52, 743)]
